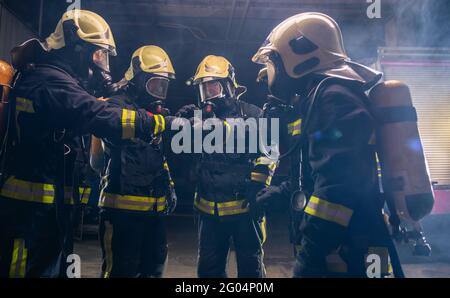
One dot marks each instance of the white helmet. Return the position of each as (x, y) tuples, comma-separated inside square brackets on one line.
[(311, 43)]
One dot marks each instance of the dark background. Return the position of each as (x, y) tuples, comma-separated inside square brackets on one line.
[(191, 29)]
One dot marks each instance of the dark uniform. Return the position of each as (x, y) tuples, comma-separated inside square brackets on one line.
[(225, 181), (133, 202), (51, 108), (343, 221)]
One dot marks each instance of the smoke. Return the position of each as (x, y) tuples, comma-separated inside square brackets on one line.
[(423, 23)]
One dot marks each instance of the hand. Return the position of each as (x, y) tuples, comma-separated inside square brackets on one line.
[(268, 194), (171, 200), (250, 199), (187, 111)]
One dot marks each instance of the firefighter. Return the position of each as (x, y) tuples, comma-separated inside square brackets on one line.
[(137, 188), (309, 72), (53, 103), (227, 181)]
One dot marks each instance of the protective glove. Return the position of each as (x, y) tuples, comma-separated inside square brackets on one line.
[(268, 194), (171, 200), (187, 111), (272, 193), (250, 199)]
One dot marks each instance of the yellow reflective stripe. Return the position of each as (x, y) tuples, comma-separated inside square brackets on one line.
[(133, 203), (228, 129), (329, 211), (128, 124), (85, 192), (262, 178), (163, 125), (265, 161), (294, 128), (107, 241), (166, 166), (204, 206), (156, 124), (19, 259), (160, 124), (264, 230), (160, 204), (28, 191), (24, 105), (231, 208), (336, 264)]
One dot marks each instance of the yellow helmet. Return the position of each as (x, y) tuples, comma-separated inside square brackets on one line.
[(150, 59), (92, 29), (311, 43), (214, 67)]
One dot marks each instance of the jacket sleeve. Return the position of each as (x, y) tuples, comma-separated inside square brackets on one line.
[(66, 105)]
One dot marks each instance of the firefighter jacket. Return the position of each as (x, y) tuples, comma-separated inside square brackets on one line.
[(137, 177), (339, 174), (226, 180), (50, 109)]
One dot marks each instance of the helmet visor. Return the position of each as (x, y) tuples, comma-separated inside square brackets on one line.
[(210, 90), (157, 87), (101, 58)]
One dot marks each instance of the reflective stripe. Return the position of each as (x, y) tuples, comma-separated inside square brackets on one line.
[(133, 203), (85, 192), (166, 166), (329, 211), (265, 161), (18, 260), (160, 124), (228, 129), (231, 208), (24, 105), (223, 208), (28, 191), (128, 124), (107, 242), (294, 128), (204, 206), (264, 230), (336, 264), (262, 178)]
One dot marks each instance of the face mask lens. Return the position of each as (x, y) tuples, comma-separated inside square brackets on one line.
[(157, 87), (101, 59), (210, 90)]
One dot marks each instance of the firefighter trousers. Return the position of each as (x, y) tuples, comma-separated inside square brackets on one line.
[(215, 235), (133, 245), (32, 242)]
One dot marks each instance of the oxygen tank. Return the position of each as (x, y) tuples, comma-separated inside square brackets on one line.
[(405, 176), (6, 77)]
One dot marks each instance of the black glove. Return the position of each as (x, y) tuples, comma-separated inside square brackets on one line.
[(267, 195), (273, 193), (187, 111), (250, 199), (171, 200)]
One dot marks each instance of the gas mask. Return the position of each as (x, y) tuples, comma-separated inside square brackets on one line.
[(215, 95), (152, 92), (99, 81), (279, 84)]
